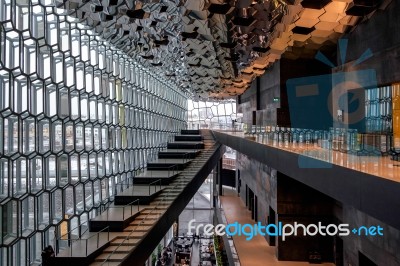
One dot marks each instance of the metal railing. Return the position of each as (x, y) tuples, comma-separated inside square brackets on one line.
[(130, 182), (171, 138), (122, 187), (98, 238), (80, 233), (229, 163), (141, 223), (151, 156), (172, 170), (229, 244), (124, 184), (185, 157), (130, 204), (155, 187), (77, 242)]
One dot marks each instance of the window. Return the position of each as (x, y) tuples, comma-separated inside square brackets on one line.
[(75, 114)]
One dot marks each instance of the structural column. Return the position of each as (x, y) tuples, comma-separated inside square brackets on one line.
[(219, 171), (214, 188)]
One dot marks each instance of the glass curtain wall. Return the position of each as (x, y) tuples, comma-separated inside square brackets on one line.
[(199, 208), (77, 116), (212, 114), (219, 115)]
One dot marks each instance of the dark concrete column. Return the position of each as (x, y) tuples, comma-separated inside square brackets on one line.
[(219, 170), (238, 181), (302, 204), (176, 233), (258, 93), (214, 188), (3, 220)]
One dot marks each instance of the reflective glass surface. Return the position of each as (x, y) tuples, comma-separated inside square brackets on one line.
[(77, 116)]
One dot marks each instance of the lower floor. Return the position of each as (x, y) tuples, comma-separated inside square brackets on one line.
[(257, 251), (270, 197)]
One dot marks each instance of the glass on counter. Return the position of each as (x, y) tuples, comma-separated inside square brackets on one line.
[(343, 140)]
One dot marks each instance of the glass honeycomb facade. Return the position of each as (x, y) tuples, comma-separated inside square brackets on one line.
[(213, 114), (77, 116)]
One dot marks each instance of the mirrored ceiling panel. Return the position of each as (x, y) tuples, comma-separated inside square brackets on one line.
[(215, 48)]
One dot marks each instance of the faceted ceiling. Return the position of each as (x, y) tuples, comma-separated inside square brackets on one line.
[(215, 48)]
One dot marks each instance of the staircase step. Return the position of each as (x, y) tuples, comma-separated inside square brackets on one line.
[(116, 257), (135, 234), (138, 227), (188, 138), (123, 242), (163, 207), (167, 194), (109, 263), (152, 211), (185, 145), (160, 203), (190, 132), (144, 223), (118, 249), (170, 200), (149, 217), (156, 211), (129, 237), (167, 197), (163, 199)]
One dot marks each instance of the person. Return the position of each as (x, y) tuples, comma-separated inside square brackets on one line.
[(47, 253), (169, 252), (51, 251), (233, 124), (44, 257)]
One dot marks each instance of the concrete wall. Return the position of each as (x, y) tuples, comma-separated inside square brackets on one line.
[(381, 35), (382, 250), (262, 180), (247, 103), (272, 85), (250, 95), (269, 86), (291, 201), (294, 201), (300, 203)]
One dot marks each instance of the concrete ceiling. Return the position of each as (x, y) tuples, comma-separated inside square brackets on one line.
[(215, 48)]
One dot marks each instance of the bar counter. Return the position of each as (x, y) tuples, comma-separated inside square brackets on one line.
[(369, 183)]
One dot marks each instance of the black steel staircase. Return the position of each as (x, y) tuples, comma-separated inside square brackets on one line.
[(142, 213)]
